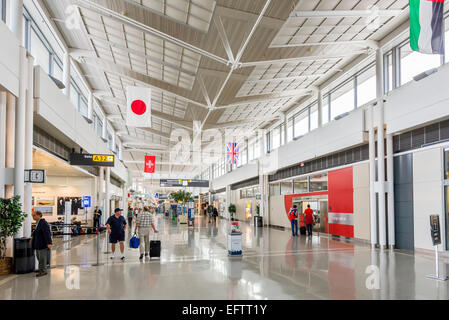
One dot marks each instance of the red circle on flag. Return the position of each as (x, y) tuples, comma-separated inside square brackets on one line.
[(138, 107)]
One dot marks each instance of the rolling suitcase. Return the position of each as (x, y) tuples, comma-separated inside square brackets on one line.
[(302, 231), (155, 249)]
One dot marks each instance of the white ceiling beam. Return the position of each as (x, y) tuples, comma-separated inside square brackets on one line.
[(243, 16), (224, 38), (304, 59), (104, 11), (344, 13), (287, 78), (366, 43)]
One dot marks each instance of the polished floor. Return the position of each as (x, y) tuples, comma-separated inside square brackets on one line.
[(194, 265)]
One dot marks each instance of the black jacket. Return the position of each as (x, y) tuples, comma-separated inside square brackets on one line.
[(42, 235)]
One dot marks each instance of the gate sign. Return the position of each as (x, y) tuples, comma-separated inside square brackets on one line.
[(34, 176), (97, 160), (87, 202), (435, 229)]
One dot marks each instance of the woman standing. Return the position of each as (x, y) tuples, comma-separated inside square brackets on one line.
[(130, 217)]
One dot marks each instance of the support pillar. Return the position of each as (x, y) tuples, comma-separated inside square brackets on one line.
[(2, 142), (228, 201), (29, 145), (10, 138), (66, 74), (372, 178), (90, 108), (19, 149), (104, 133), (390, 178), (381, 150), (284, 121), (107, 200), (320, 108)]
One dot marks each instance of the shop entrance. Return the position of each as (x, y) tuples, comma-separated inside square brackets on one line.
[(319, 205)]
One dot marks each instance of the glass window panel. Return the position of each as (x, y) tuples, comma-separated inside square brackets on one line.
[(286, 187), (366, 86), (300, 185), (342, 100), (318, 182), (301, 123), (57, 71), (257, 149), (314, 117), (250, 152), (249, 193), (275, 189), (282, 133), (446, 164), (414, 63), (276, 138), (83, 107), (244, 158), (290, 130), (74, 96), (389, 77), (325, 109), (40, 52)]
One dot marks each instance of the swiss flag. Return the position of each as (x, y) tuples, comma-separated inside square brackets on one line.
[(138, 107), (150, 164)]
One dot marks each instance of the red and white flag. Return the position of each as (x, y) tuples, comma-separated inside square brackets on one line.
[(138, 107), (150, 164)]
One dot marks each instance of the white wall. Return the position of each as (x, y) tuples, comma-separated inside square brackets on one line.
[(361, 201), (9, 60), (241, 205), (427, 194), (417, 103), (243, 173), (277, 212)]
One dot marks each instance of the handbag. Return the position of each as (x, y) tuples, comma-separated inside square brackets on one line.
[(134, 242)]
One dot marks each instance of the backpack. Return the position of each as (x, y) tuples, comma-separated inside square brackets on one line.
[(293, 214)]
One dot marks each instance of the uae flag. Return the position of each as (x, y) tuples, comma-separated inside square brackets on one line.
[(426, 26), (138, 107), (150, 164)]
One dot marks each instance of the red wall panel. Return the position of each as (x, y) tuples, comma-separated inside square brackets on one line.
[(341, 199)]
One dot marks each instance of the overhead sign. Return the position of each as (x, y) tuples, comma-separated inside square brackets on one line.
[(184, 183), (87, 202), (98, 160), (435, 230), (34, 176)]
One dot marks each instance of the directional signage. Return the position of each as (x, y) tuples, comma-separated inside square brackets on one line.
[(34, 176), (435, 230), (184, 183), (98, 160), (87, 202)]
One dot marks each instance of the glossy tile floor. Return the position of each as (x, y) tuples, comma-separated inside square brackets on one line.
[(194, 265)]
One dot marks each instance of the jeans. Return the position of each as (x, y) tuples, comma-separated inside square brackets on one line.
[(130, 222), (96, 223), (42, 259), (144, 237), (309, 229), (294, 227)]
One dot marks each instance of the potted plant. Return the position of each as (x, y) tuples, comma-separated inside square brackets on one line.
[(258, 210), (232, 209), (11, 218)]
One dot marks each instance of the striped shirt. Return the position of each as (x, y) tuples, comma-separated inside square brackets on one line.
[(144, 220)]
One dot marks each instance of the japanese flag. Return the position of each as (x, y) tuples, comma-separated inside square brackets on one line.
[(138, 107), (150, 164)]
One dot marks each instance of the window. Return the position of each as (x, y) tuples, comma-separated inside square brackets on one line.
[(314, 117), (325, 107), (110, 140), (318, 183), (388, 65), (244, 157), (39, 52), (290, 130), (257, 145), (301, 123), (300, 185), (282, 129), (57, 69), (276, 137), (250, 152), (286, 187), (413, 63), (74, 95), (446, 164), (3, 10), (83, 106), (366, 86), (275, 189), (342, 99)]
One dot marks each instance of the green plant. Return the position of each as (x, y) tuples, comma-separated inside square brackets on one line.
[(232, 209), (11, 218), (181, 196), (258, 210)]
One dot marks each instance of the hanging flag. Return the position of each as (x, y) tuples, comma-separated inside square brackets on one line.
[(150, 164), (232, 152), (426, 26), (138, 107)]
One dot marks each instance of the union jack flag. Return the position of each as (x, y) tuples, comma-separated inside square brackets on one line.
[(232, 152)]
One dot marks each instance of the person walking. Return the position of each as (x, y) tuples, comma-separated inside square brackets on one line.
[(215, 214), (293, 216), (309, 220), (143, 223), (97, 217), (41, 242), (210, 211), (130, 217), (116, 226)]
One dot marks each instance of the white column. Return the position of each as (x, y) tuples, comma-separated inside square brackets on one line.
[(90, 108), (120, 151), (107, 201), (100, 185), (228, 201), (104, 133), (320, 108), (2, 142), (16, 18), (19, 149), (372, 178), (284, 121), (66, 74), (390, 177), (29, 145), (381, 150)]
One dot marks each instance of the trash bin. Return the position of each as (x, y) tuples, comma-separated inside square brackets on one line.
[(258, 221), (24, 261)]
